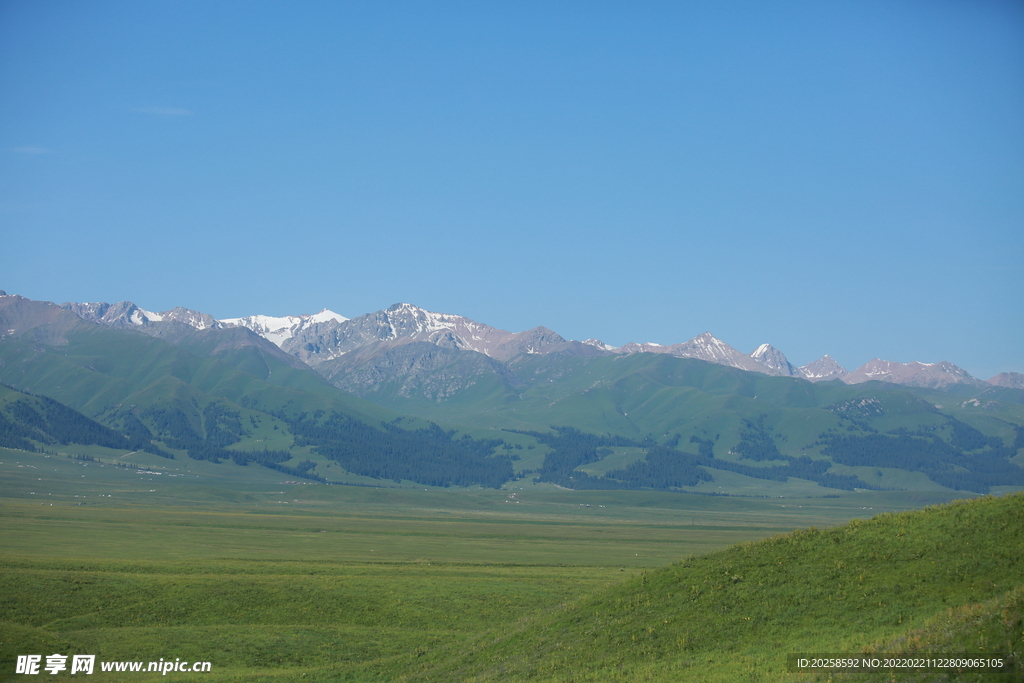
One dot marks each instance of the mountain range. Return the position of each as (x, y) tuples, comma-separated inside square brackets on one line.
[(319, 339), (409, 395)]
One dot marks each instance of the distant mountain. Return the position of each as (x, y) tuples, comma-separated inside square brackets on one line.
[(1013, 380), (405, 323), (41, 321), (126, 314), (179, 326), (825, 368), (915, 374), (704, 347)]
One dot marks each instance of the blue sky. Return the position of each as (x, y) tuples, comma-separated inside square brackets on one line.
[(829, 177)]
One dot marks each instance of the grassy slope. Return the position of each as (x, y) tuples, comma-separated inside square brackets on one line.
[(989, 629), (659, 395), (735, 614), (101, 368), (106, 372)]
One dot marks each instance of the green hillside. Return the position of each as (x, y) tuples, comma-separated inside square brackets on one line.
[(733, 428), (99, 369), (897, 583), (30, 423), (178, 404), (659, 395)]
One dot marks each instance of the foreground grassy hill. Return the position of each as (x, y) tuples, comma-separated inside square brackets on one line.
[(944, 577)]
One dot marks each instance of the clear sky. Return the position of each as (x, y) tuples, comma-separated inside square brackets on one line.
[(828, 177)]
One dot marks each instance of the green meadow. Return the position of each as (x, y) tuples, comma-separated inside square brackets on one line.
[(135, 559)]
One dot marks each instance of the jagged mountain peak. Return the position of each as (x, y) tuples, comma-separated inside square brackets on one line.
[(710, 348), (404, 307), (708, 338), (200, 321), (400, 322), (772, 358), (409, 320), (598, 344), (823, 369)]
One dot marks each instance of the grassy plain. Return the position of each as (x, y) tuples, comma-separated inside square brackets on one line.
[(281, 581)]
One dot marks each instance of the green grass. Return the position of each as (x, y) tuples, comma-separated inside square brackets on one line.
[(313, 582), (290, 613), (735, 614), (992, 629)]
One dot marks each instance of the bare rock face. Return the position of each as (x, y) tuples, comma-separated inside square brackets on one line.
[(1012, 380), (121, 315), (331, 339), (200, 321), (43, 321), (915, 374), (325, 341), (403, 369), (821, 370)]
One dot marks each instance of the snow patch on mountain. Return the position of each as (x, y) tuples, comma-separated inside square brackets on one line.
[(280, 329), (598, 344)]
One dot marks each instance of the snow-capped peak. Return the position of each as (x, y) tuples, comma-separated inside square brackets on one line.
[(599, 344), (280, 329), (324, 315)]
